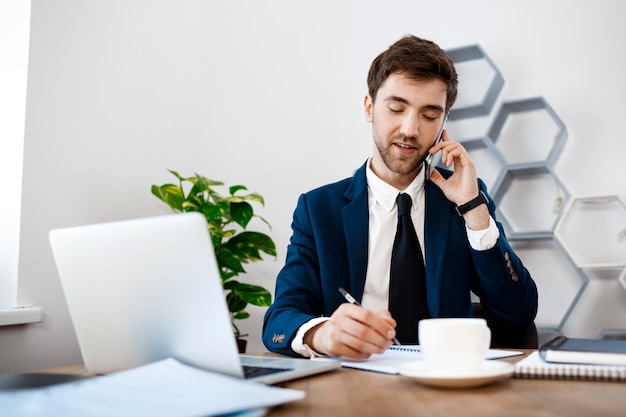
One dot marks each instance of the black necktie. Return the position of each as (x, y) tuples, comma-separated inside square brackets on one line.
[(407, 284)]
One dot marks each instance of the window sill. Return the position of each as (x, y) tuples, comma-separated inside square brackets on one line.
[(21, 315)]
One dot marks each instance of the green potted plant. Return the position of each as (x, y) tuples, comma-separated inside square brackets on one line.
[(227, 217)]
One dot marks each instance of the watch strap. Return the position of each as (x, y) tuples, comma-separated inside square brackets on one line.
[(472, 204)]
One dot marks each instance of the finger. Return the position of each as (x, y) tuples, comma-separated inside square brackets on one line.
[(453, 152), (440, 144), (448, 153), (386, 316), (349, 343), (334, 342), (381, 324), (444, 136), (375, 329)]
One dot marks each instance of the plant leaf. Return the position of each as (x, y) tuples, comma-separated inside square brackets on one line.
[(241, 213), (240, 315), (234, 188), (177, 175), (226, 259), (207, 183), (234, 302), (252, 294), (246, 245), (170, 194)]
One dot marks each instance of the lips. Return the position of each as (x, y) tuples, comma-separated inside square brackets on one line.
[(404, 148)]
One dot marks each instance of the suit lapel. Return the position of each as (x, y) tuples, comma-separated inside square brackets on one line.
[(356, 225)]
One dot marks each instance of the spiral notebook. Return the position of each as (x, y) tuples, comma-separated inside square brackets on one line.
[(533, 366)]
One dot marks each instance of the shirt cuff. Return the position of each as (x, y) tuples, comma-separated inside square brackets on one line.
[(483, 239), (297, 344)]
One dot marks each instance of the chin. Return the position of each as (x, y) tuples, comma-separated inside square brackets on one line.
[(401, 166)]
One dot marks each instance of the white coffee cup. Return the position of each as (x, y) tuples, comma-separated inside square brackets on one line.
[(454, 346)]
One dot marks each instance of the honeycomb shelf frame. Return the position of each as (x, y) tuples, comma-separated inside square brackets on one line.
[(489, 97), (592, 201), (509, 108), (503, 185), (573, 279), (526, 148)]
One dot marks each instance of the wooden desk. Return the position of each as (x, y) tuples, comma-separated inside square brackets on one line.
[(350, 392)]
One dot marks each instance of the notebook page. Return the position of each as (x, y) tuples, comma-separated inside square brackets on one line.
[(389, 361)]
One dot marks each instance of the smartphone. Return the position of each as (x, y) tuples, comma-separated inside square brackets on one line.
[(428, 165)]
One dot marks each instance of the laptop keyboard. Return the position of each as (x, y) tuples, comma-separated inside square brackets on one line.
[(254, 371)]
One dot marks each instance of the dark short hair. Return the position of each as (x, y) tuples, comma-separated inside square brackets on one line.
[(417, 58)]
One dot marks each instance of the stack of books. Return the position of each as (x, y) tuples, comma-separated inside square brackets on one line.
[(572, 358)]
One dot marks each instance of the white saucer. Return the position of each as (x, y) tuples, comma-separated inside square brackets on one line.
[(490, 371)]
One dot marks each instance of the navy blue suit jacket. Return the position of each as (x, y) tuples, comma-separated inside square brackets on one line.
[(328, 250)]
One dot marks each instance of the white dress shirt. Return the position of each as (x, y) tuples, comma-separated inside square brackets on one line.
[(383, 220)]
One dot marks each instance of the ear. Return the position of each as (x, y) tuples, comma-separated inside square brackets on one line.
[(368, 106)]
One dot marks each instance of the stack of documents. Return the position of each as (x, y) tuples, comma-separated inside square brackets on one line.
[(165, 388)]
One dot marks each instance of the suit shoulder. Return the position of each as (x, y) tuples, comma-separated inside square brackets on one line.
[(338, 187), (348, 187)]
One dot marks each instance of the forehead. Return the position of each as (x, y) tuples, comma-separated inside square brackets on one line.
[(399, 87)]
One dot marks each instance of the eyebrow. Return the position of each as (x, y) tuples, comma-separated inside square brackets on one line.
[(396, 98), (405, 101)]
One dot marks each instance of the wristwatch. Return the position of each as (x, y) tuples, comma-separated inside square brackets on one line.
[(472, 204)]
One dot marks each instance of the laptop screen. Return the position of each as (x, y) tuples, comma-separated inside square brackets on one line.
[(143, 290)]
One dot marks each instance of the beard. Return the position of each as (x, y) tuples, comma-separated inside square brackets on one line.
[(395, 162)]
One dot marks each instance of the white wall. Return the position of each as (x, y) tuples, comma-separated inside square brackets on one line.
[(268, 94)]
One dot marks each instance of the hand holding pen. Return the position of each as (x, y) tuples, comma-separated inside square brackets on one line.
[(352, 300)]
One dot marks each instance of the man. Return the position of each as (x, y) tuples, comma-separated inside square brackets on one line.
[(344, 233)]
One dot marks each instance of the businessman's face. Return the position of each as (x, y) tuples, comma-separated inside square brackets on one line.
[(406, 119)]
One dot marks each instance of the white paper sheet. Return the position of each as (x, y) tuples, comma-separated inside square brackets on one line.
[(165, 388), (395, 356)]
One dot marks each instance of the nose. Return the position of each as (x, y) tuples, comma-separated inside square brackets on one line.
[(410, 126)]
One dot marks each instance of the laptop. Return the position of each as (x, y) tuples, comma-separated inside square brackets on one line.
[(146, 289)]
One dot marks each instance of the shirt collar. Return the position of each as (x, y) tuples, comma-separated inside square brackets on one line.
[(385, 194)]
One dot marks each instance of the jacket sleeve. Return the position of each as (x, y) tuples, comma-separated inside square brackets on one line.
[(298, 294), (505, 287)]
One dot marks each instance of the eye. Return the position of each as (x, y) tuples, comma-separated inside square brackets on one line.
[(431, 115), (395, 109)]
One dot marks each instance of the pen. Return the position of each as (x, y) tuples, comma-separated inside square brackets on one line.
[(352, 300)]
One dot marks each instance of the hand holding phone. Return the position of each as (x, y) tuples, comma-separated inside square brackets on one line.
[(428, 165)]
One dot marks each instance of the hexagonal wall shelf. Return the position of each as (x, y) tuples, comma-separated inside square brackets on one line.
[(593, 230), (614, 334), (475, 98), (559, 282), (528, 131), (601, 308), (530, 201), (559, 239)]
